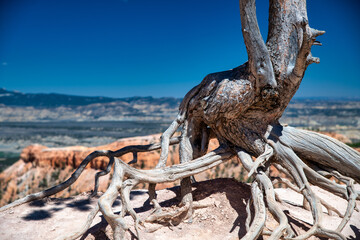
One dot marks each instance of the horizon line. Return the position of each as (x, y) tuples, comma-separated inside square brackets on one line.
[(149, 96)]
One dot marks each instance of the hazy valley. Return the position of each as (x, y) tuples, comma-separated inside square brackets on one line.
[(56, 120)]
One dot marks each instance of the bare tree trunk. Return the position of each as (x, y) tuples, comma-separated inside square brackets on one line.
[(241, 108)]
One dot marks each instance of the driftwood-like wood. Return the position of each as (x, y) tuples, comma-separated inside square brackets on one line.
[(241, 107)]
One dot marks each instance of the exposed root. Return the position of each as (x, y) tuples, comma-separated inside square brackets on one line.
[(288, 156), (288, 162), (102, 173), (351, 200), (277, 180), (284, 147), (320, 150), (275, 209), (265, 183), (262, 159), (248, 214), (186, 155), (276, 152), (165, 140), (105, 153), (61, 186), (107, 199), (254, 231), (181, 117), (134, 176)]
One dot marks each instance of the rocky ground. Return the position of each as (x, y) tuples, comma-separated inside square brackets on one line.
[(224, 218)]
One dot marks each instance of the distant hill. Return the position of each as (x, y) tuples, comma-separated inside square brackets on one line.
[(29, 107), (339, 115), (51, 100)]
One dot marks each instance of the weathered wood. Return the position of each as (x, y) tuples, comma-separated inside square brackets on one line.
[(259, 60), (241, 107)]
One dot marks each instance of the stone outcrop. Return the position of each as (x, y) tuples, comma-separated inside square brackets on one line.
[(72, 156)]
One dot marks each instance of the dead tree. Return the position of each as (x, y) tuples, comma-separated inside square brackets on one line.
[(241, 108)]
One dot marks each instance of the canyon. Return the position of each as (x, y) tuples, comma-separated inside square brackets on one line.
[(41, 167)]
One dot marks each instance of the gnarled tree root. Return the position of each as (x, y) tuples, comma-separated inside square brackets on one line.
[(110, 154), (124, 179), (282, 150), (133, 177)]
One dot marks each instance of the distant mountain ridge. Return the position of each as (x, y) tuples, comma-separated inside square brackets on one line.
[(50, 100), (30, 107), (340, 115)]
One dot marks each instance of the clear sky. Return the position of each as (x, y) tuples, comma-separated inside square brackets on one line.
[(122, 48)]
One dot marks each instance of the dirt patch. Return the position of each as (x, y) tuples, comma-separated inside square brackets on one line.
[(223, 218)]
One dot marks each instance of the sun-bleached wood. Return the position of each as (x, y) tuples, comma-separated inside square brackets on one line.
[(240, 107)]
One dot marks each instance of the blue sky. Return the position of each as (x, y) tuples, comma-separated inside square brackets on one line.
[(157, 48)]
